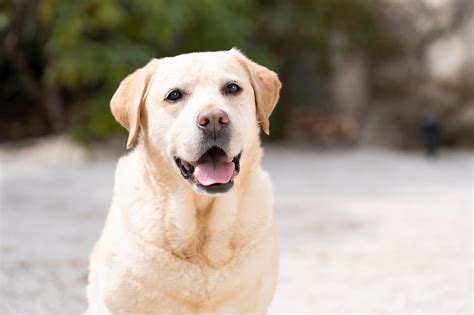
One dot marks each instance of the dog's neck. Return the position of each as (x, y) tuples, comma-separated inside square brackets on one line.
[(192, 225)]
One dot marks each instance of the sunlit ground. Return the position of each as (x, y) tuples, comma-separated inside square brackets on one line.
[(362, 230)]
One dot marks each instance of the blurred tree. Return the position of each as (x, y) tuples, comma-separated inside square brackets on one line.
[(83, 48), (22, 39), (95, 44), (300, 35)]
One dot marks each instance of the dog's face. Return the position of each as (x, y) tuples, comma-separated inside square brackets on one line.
[(201, 110)]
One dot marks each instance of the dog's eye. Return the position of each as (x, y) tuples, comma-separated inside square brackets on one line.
[(232, 88), (174, 95)]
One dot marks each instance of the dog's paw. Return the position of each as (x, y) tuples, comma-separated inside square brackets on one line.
[(217, 255)]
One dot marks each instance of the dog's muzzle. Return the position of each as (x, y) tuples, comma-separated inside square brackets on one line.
[(213, 172)]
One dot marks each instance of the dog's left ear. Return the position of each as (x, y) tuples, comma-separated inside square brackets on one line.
[(266, 86), (127, 101)]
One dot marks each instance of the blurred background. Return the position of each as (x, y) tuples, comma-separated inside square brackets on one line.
[(371, 89), (363, 72)]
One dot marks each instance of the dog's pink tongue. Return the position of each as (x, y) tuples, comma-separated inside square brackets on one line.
[(214, 169)]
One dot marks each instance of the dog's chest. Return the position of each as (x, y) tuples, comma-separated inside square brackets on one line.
[(163, 281)]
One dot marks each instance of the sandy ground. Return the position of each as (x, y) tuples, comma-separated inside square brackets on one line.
[(366, 231)]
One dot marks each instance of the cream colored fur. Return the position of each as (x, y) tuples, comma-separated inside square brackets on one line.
[(166, 247)]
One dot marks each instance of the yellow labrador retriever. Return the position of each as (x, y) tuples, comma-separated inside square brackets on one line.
[(190, 228)]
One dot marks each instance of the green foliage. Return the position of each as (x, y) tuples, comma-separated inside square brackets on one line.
[(95, 44), (5, 15), (91, 45)]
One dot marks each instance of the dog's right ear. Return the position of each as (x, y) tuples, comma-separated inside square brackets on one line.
[(127, 101)]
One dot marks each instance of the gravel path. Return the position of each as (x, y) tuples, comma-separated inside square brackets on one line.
[(366, 231)]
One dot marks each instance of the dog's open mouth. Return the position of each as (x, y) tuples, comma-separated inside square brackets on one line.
[(213, 172)]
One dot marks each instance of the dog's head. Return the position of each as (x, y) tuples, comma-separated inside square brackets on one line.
[(200, 110)]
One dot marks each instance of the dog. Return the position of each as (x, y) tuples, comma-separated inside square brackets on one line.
[(190, 228)]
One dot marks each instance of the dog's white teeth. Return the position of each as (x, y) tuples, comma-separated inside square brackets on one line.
[(187, 166)]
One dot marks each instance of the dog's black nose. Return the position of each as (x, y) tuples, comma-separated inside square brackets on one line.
[(212, 120)]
